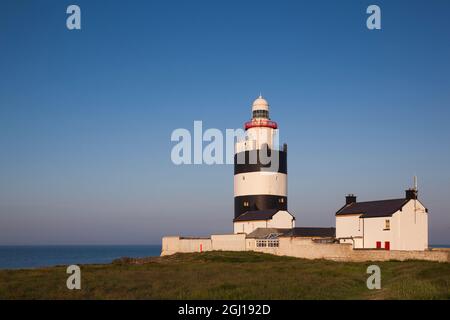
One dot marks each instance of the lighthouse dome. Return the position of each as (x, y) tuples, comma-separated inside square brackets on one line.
[(260, 104)]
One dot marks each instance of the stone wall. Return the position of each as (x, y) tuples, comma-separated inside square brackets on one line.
[(297, 247), (383, 255), (307, 249)]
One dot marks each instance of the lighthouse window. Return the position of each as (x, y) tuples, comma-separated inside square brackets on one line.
[(281, 200), (246, 204), (260, 114), (387, 225)]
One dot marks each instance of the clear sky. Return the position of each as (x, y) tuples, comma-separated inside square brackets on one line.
[(86, 116)]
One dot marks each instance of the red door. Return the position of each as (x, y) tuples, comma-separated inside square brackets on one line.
[(387, 245), (378, 244), (201, 247)]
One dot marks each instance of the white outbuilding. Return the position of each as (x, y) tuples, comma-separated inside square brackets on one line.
[(397, 224), (252, 220)]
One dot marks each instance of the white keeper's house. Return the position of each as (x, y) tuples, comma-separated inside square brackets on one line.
[(396, 224)]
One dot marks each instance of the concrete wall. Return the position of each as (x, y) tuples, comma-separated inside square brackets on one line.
[(298, 247), (171, 245), (307, 249), (228, 242)]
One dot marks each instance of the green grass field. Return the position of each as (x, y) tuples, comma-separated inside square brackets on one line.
[(231, 275)]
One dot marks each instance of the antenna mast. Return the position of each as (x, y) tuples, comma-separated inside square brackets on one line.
[(415, 201)]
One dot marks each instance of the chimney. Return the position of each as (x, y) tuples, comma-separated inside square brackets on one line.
[(412, 194), (351, 198)]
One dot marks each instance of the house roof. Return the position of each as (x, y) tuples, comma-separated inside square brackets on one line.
[(270, 233), (265, 233), (310, 232), (256, 215), (372, 209)]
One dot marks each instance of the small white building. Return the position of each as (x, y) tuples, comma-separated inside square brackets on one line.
[(397, 224), (252, 220)]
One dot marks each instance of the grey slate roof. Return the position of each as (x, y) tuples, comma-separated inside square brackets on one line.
[(264, 233), (311, 232), (372, 209), (256, 215)]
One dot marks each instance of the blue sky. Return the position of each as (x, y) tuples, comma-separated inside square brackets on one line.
[(86, 116)]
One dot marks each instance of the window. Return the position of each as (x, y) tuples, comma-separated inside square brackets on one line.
[(272, 243), (261, 243), (281, 200), (260, 114), (246, 204), (387, 225)]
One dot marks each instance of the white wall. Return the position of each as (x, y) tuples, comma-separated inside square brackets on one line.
[(248, 226), (256, 137), (350, 226), (259, 182), (171, 245), (412, 233), (282, 219), (374, 230), (305, 248), (408, 229), (228, 242)]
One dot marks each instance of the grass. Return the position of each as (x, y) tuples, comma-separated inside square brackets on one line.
[(231, 275)]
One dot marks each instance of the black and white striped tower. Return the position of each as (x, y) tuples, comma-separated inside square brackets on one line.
[(258, 186)]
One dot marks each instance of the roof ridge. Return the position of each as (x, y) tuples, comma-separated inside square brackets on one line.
[(314, 228), (394, 199)]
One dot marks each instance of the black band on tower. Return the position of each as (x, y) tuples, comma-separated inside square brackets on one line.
[(258, 202)]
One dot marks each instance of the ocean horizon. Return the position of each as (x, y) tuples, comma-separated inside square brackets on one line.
[(40, 256)]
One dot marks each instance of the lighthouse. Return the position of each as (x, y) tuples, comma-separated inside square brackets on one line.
[(260, 174)]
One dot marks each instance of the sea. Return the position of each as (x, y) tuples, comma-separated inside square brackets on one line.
[(26, 257)]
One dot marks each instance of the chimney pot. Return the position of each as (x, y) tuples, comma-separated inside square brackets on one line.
[(351, 198), (411, 194)]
